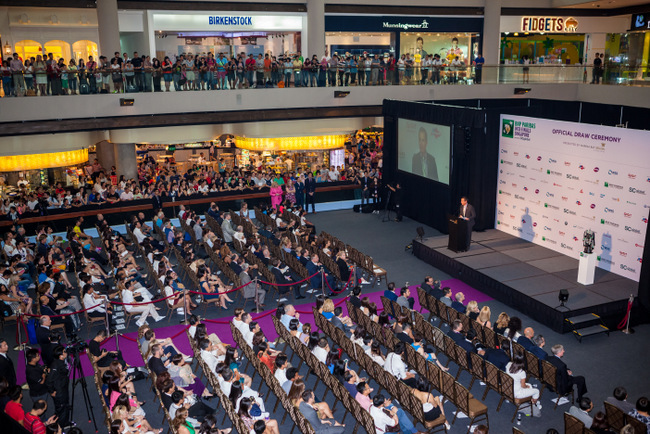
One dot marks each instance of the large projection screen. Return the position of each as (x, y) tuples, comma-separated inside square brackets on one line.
[(557, 179), (424, 149)]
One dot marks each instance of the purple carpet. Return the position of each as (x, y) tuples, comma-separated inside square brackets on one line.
[(221, 327)]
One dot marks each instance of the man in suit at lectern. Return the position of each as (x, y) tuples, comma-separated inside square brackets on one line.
[(467, 213)]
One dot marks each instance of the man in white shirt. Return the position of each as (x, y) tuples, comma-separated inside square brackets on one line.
[(321, 350), (396, 366), (253, 327), (207, 356), (137, 231), (126, 194), (281, 365), (289, 314), (382, 420)]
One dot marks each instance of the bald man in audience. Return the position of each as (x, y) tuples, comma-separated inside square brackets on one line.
[(526, 340)]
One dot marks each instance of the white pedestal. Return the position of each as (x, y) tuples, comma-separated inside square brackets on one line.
[(587, 268)]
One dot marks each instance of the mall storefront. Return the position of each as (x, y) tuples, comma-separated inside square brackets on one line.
[(231, 33), (397, 35)]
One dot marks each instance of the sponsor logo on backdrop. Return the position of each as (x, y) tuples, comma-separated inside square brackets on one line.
[(612, 172), (549, 194), (627, 215), (568, 211), (504, 151), (628, 268), (602, 195), (623, 240), (592, 217), (562, 233), (552, 161), (648, 179), (639, 260), (516, 154), (644, 220), (631, 203), (565, 198), (640, 246), (525, 188), (546, 228), (557, 185), (553, 172), (573, 177), (592, 206), (605, 247), (616, 186), (548, 240), (578, 203), (581, 167), (537, 191), (567, 163), (522, 166), (575, 238), (548, 205), (591, 193), (609, 223), (506, 162), (631, 229), (566, 246), (501, 182), (505, 193), (499, 212), (622, 253), (636, 191), (608, 210), (592, 181), (596, 169), (607, 261), (508, 128), (631, 175), (616, 199), (527, 157), (535, 202), (519, 197)]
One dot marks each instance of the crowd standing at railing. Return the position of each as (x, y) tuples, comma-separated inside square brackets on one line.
[(158, 182), (45, 75)]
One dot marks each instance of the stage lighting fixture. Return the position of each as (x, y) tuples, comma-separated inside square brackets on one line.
[(126, 102), (341, 94), (563, 297), (521, 90)]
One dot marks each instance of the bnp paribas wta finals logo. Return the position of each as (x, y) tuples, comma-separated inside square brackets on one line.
[(508, 128)]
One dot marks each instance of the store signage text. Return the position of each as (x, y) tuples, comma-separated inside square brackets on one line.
[(230, 21), (640, 21), (549, 24), (423, 25)]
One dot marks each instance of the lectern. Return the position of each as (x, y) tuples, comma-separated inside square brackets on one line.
[(457, 234)]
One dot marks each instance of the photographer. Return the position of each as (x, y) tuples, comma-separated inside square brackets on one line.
[(33, 422), (58, 384), (36, 374), (104, 358)]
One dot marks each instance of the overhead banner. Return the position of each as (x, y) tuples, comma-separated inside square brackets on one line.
[(557, 179)]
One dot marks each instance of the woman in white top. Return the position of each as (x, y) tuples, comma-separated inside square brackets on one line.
[(137, 424), (375, 354), (515, 369)]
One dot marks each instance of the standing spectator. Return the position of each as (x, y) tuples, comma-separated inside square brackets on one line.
[(17, 71), (14, 408), (7, 370), (478, 68), (310, 190), (595, 72), (36, 375), (58, 384)]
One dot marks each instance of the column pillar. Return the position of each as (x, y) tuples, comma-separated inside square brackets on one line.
[(105, 154), (491, 39), (315, 29), (126, 163), (108, 27)]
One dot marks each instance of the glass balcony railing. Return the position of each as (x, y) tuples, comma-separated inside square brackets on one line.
[(109, 81)]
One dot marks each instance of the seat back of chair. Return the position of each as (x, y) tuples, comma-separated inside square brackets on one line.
[(532, 364), (615, 416), (492, 376), (549, 374), (573, 425)]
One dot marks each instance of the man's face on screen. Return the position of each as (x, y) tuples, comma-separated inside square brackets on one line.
[(422, 141)]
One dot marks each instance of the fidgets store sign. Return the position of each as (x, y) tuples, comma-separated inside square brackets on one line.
[(549, 24)]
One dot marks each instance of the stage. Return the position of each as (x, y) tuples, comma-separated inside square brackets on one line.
[(528, 277)]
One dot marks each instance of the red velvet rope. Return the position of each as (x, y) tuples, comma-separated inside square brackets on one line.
[(623, 322), (344, 288)]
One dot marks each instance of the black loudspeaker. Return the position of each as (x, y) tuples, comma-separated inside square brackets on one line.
[(367, 209)]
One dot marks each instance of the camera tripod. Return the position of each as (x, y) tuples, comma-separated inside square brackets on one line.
[(78, 378)]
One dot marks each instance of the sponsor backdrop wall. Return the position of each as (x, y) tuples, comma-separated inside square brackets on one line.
[(557, 179)]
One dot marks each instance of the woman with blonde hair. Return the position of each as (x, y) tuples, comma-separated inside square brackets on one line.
[(180, 423), (484, 317), (472, 310), (328, 309), (502, 323)]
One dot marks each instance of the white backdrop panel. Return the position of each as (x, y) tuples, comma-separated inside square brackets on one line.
[(557, 179)]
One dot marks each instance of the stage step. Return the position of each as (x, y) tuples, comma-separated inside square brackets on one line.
[(586, 325)]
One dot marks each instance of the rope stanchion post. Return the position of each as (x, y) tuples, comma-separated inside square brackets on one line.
[(322, 281), (628, 330), (185, 305), (257, 298), (108, 323)]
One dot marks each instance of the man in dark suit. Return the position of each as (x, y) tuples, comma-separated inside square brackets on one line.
[(337, 322), (310, 192), (314, 266), (6, 365), (432, 287), (423, 163), (43, 331), (458, 302), (499, 357), (467, 212), (321, 426), (565, 379), (526, 340), (354, 298), (538, 347), (155, 363), (366, 184), (284, 278), (406, 335)]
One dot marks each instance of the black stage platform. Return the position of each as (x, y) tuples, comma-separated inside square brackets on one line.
[(528, 277)]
